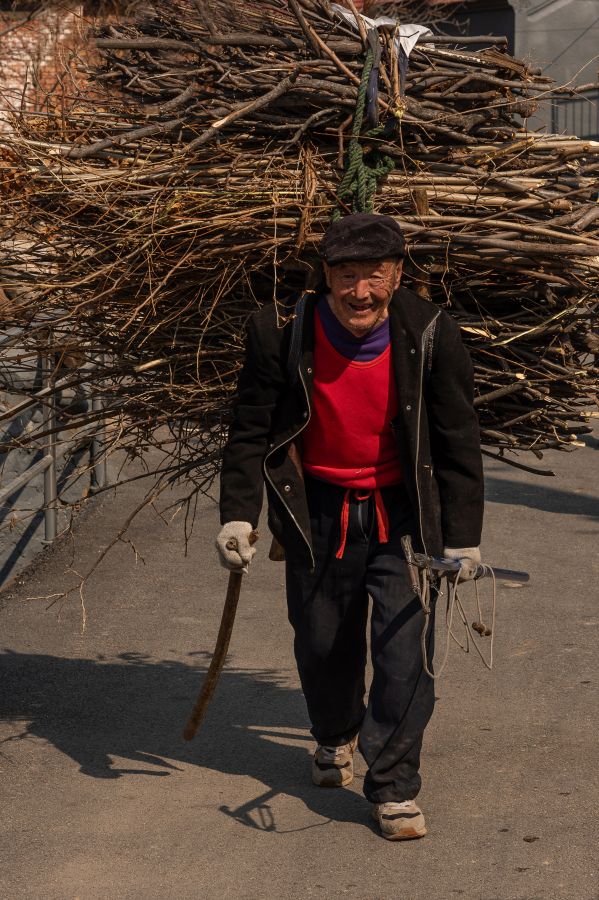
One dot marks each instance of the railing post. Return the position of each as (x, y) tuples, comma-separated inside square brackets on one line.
[(99, 475), (49, 423)]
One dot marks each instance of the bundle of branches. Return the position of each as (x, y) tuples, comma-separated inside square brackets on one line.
[(193, 179)]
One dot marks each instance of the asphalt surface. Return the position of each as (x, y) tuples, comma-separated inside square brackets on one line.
[(101, 797)]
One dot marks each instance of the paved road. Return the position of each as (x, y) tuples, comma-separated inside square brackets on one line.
[(102, 799)]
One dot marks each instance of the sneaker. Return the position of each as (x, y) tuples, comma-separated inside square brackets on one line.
[(334, 766), (399, 821)]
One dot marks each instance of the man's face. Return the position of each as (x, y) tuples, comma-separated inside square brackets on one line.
[(360, 292)]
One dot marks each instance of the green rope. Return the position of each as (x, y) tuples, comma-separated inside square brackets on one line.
[(362, 173)]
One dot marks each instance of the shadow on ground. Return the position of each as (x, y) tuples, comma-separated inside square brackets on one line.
[(134, 708), (541, 496)]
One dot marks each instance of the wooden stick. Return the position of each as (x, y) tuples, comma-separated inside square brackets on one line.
[(219, 656)]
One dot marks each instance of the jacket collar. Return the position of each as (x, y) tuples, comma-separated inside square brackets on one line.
[(409, 312)]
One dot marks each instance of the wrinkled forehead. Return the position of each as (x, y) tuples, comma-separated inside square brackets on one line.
[(386, 265)]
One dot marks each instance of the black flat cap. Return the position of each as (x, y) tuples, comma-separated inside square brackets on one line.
[(362, 236)]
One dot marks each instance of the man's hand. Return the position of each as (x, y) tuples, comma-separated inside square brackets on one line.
[(468, 558), (234, 547)]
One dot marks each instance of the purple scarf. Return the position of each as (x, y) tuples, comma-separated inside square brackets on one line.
[(358, 349)]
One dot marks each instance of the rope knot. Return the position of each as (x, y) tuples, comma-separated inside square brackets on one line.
[(363, 173)]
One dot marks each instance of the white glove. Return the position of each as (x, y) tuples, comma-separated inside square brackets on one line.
[(468, 557), (238, 554)]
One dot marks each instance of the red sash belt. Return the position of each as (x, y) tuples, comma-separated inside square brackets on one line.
[(382, 520)]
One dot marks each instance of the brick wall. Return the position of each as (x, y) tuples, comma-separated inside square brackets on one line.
[(31, 47)]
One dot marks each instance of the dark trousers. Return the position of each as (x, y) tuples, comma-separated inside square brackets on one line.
[(328, 610)]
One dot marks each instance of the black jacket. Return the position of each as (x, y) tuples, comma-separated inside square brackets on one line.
[(436, 428)]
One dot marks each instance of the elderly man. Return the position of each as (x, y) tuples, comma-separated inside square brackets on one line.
[(358, 417)]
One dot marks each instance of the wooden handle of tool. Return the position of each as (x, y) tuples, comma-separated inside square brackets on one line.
[(220, 652)]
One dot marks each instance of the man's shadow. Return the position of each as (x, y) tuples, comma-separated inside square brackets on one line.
[(135, 707)]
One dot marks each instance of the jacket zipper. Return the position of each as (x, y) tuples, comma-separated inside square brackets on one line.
[(274, 449), (305, 424), (417, 461)]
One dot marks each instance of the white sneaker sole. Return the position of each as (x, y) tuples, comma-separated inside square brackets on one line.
[(408, 833)]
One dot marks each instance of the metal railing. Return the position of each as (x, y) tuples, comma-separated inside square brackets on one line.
[(48, 463), (577, 115)]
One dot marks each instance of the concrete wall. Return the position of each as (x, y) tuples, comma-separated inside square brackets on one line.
[(562, 37)]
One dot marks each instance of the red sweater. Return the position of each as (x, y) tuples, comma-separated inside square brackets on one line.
[(349, 440)]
